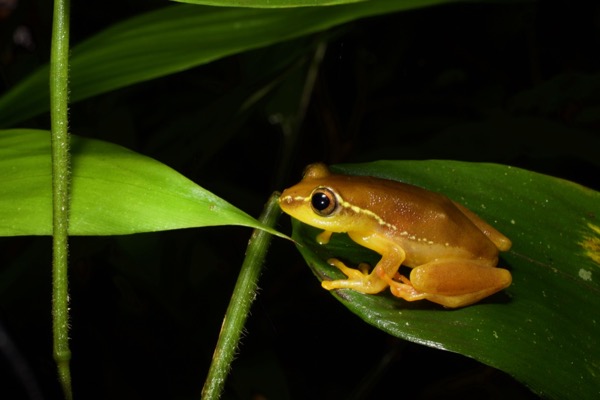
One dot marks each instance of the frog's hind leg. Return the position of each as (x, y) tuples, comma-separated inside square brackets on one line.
[(452, 283)]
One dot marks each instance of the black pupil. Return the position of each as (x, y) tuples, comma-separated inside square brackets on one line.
[(320, 201)]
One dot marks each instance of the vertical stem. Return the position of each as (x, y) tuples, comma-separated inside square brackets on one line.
[(239, 305), (59, 90)]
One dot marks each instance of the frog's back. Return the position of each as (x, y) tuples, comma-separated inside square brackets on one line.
[(426, 224)]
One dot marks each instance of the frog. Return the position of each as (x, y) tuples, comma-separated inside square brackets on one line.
[(451, 253)]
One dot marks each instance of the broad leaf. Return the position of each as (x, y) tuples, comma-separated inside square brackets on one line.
[(114, 191), (177, 38), (544, 329), (404, 5), (272, 3)]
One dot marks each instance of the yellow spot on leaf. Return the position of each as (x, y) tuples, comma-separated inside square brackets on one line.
[(591, 244)]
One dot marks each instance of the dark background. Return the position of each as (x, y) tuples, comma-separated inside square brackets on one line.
[(516, 84)]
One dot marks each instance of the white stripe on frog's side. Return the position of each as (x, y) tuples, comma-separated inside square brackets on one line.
[(343, 203), (380, 220), (346, 205), (370, 213)]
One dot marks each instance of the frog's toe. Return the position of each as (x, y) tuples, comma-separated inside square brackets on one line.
[(360, 285), (351, 273), (359, 280), (364, 268), (406, 291), (401, 287)]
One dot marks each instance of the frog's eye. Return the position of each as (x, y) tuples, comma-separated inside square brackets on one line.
[(323, 201)]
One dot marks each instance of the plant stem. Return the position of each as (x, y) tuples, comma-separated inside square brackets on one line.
[(59, 90), (239, 306)]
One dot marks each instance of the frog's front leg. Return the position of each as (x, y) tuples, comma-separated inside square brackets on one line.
[(360, 279), (453, 283)]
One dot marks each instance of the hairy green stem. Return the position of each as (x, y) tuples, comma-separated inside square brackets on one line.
[(59, 91), (239, 306)]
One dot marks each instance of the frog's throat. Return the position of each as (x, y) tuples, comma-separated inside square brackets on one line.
[(344, 204)]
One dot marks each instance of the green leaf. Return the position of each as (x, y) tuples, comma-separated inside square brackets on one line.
[(114, 191), (544, 329), (271, 3), (177, 38), (405, 4)]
